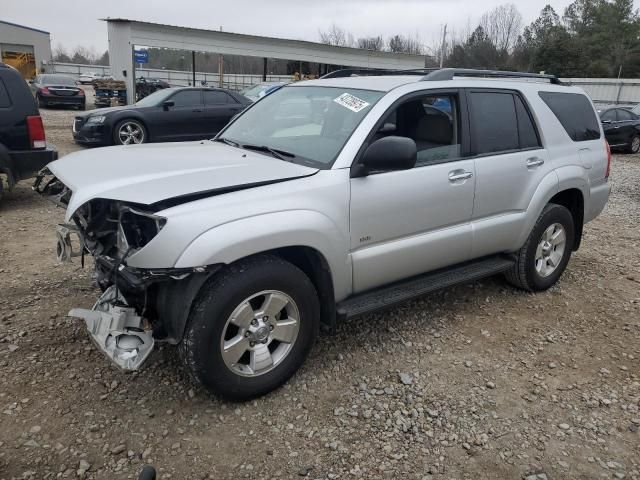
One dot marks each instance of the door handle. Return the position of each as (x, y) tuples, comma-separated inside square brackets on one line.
[(534, 162), (457, 175)]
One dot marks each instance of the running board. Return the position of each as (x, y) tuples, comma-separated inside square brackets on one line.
[(387, 296)]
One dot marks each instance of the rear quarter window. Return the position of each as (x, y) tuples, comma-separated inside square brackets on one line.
[(5, 101), (575, 113)]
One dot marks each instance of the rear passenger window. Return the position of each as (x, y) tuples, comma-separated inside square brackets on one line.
[(625, 115), (5, 101), (215, 97), (494, 122), (575, 113), (526, 129)]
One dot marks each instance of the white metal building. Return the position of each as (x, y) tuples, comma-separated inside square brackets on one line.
[(25, 48), (125, 35)]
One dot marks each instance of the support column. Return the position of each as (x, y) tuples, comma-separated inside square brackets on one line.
[(264, 69), (221, 70), (193, 67)]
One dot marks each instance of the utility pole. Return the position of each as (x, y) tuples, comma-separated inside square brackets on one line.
[(444, 45)]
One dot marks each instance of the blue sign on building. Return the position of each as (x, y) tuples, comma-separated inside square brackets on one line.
[(141, 56)]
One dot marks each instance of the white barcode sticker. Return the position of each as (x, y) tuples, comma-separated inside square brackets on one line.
[(351, 102)]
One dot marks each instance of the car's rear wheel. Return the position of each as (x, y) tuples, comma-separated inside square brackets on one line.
[(544, 257), (634, 144), (129, 132), (41, 103), (251, 328)]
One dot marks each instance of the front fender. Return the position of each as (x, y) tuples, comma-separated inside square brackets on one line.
[(248, 236)]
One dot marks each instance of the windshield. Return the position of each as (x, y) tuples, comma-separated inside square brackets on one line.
[(155, 98), (311, 124), (58, 80)]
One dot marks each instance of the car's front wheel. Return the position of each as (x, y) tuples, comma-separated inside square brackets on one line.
[(251, 328), (544, 257), (129, 132)]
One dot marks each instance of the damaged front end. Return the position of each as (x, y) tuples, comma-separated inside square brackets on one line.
[(138, 305)]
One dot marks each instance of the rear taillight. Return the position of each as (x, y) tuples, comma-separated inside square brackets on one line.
[(36, 132), (609, 158), (81, 92), (45, 91)]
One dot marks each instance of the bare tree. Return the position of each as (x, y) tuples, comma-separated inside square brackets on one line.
[(60, 54), (371, 43), (502, 25), (336, 36), (405, 44)]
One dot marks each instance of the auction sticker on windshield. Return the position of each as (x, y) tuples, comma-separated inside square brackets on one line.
[(352, 102)]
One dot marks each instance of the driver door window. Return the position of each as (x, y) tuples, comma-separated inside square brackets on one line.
[(432, 122)]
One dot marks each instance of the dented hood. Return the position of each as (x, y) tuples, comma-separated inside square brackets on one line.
[(153, 173)]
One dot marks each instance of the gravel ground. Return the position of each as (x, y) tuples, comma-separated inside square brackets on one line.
[(478, 381)]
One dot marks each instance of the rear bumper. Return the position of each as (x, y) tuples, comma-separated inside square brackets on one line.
[(598, 197), (27, 163), (62, 100)]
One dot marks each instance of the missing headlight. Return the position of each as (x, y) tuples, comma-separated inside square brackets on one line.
[(136, 228)]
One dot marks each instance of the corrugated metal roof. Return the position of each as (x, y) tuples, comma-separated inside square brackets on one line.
[(23, 26)]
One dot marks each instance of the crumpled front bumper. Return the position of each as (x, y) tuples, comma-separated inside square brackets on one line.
[(117, 330)]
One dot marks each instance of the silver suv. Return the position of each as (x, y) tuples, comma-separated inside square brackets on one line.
[(328, 199)]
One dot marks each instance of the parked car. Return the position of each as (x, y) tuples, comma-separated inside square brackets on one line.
[(53, 89), (256, 92), (621, 128), (89, 77), (237, 249), (23, 147), (172, 114), (145, 86)]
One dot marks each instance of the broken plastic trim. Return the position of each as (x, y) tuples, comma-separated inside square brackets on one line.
[(117, 330)]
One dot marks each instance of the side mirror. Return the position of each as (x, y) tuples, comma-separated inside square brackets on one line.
[(388, 154), (167, 104), (606, 121)]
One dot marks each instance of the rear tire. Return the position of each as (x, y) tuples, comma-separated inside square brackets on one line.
[(41, 103), (634, 145), (545, 255), (236, 308)]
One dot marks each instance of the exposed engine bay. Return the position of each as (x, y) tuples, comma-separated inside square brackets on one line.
[(125, 321)]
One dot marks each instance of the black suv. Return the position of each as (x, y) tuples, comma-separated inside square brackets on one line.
[(23, 148)]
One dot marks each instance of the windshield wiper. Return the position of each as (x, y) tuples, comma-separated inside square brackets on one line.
[(228, 142), (279, 154)]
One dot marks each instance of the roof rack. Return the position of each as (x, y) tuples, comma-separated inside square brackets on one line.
[(450, 73), (363, 72)]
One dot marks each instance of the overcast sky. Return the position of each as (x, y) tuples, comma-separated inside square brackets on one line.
[(75, 22)]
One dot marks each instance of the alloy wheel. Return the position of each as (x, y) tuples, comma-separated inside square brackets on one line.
[(550, 250), (260, 333), (130, 133)]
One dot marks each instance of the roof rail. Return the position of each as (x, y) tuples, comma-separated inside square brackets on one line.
[(450, 73), (363, 72)]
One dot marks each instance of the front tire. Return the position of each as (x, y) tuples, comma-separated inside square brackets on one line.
[(545, 255), (242, 338), (129, 132)]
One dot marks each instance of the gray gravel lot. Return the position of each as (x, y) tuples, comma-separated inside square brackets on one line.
[(474, 382)]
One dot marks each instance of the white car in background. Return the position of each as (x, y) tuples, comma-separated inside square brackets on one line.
[(86, 78)]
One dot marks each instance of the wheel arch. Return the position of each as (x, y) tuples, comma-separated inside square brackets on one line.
[(573, 200)]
